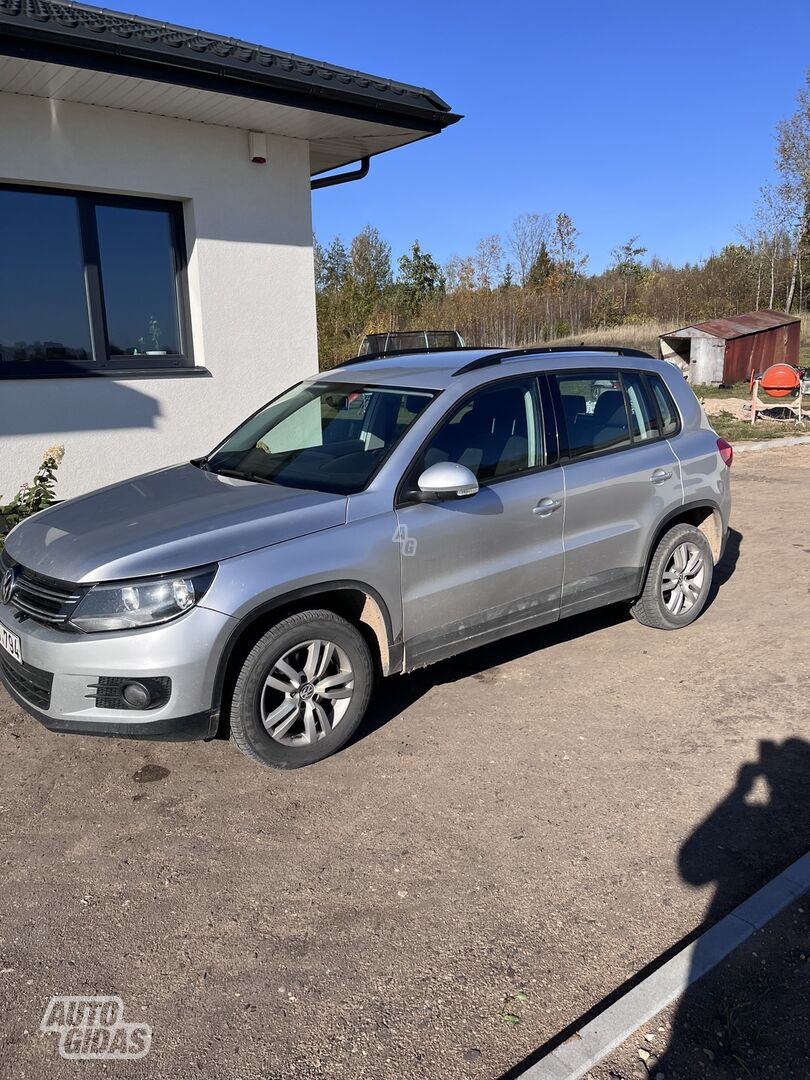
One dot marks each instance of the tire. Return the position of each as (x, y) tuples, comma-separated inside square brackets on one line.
[(308, 681), (658, 606)]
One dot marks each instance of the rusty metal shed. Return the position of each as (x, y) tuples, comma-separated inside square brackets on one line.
[(724, 351)]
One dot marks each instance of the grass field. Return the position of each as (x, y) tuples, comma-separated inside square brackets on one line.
[(645, 336), (735, 430)]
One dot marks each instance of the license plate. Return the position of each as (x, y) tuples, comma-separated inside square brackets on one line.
[(11, 644)]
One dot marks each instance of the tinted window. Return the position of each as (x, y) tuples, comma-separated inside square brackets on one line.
[(43, 302), (643, 417), (137, 271), (666, 406), (495, 433), (88, 281), (321, 436), (594, 411)]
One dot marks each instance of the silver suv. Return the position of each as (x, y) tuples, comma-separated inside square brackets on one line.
[(371, 520)]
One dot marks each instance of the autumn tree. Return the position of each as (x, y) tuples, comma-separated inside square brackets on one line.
[(793, 164), (627, 264), (528, 234)]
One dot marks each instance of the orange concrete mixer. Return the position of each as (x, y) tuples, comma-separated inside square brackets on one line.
[(778, 381)]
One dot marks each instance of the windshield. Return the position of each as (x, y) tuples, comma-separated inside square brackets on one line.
[(321, 436)]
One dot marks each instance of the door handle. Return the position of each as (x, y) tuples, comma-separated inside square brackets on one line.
[(660, 476), (546, 507)]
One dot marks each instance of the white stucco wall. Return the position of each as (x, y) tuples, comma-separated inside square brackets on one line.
[(250, 274)]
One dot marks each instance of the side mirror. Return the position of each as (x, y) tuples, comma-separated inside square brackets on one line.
[(447, 480)]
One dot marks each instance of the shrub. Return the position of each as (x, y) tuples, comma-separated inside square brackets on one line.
[(37, 495)]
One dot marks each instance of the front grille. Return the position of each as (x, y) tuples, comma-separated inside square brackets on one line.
[(29, 682), (39, 597)]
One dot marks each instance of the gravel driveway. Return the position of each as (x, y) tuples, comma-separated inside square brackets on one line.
[(499, 851)]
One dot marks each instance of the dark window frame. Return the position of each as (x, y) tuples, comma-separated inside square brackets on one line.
[(102, 362), (405, 494), (634, 444), (651, 379)]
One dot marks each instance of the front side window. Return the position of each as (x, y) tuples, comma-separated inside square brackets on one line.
[(88, 283), (321, 436), (594, 411), (495, 433)]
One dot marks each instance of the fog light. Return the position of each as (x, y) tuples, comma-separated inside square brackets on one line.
[(123, 692), (136, 695)]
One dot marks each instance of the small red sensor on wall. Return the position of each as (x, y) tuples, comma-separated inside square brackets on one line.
[(257, 143)]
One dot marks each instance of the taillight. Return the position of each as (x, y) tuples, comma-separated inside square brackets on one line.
[(726, 451)]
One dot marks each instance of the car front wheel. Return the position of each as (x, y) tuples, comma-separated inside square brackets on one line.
[(678, 581), (302, 690)]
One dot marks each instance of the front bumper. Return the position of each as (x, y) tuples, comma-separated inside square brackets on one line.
[(55, 683)]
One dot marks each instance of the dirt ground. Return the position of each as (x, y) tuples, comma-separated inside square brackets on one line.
[(516, 833), (747, 1020)]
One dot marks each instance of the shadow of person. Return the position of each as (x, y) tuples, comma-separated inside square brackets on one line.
[(758, 830)]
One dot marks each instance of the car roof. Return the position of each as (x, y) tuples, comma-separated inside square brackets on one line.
[(436, 370), (431, 370)]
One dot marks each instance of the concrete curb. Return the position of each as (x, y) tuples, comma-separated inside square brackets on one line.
[(593, 1042), (770, 444)]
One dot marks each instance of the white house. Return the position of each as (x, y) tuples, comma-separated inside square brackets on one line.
[(156, 274)]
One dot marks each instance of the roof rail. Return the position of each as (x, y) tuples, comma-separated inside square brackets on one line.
[(514, 354), (411, 352)]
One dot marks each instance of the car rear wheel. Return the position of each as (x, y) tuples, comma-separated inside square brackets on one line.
[(678, 581), (302, 690)]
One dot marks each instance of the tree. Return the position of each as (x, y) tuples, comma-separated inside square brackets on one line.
[(627, 264), (528, 234), (508, 277), (331, 266), (568, 259), (541, 270), (793, 163), (369, 265), (460, 273), (488, 260), (368, 279), (420, 277), (767, 236)]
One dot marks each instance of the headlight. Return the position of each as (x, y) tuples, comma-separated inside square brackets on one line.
[(130, 604)]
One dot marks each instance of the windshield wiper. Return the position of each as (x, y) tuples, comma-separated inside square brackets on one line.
[(237, 475)]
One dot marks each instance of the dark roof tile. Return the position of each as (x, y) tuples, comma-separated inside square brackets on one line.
[(80, 27)]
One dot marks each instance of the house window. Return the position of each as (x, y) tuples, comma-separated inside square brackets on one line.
[(90, 284)]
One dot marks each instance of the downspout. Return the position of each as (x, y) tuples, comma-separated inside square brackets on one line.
[(342, 178)]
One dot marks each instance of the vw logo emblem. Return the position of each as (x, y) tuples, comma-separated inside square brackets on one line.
[(7, 586)]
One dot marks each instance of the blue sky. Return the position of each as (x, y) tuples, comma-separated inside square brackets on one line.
[(632, 117)]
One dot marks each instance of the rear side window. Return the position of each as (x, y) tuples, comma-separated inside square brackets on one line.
[(666, 406), (594, 411), (643, 417)]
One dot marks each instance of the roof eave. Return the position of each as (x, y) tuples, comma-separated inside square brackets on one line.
[(60, 47)]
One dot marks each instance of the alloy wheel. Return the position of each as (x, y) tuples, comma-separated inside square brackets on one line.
[(683, 578), (306, 693)]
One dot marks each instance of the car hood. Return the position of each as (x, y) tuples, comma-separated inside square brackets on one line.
[(165, 521)]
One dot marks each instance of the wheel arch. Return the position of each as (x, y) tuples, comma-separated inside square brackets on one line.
[(703, 515), (356, 601)]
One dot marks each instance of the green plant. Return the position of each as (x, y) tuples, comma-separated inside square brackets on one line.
[(154, 332), (37, 495)]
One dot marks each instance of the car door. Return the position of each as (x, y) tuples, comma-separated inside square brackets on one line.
[(479, 567), (621, 477)]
